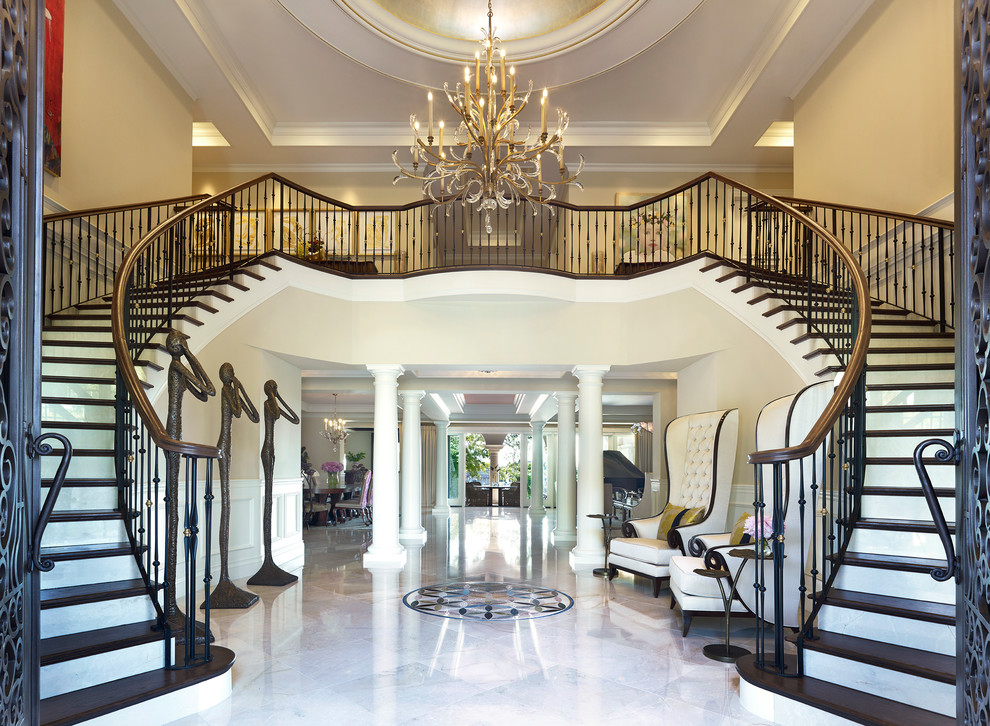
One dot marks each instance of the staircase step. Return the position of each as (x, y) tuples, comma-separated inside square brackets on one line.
[(58, 597), (900, 525), (85, 551), (80, 401), (932, 666), (60, 360), (883, 491), (889, 562), (86, 515), (79, 645), (900, 607), (848, 703), (82, 483), (92, 380), (199, 304), (89, 703)]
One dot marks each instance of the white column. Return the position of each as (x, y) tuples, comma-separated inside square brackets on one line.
[(590, 548), (523, 466), (659, 499), (536, 501), (441, 506), (461, 470), (551, 470), (412, 469), (385, 550), (565, 531)]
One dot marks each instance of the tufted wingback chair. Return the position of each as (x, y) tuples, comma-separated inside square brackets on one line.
[(701, 454), (782, 422)]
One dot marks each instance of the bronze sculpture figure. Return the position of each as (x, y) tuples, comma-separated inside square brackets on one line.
[(180, 379), (275, 407), (233, 400)]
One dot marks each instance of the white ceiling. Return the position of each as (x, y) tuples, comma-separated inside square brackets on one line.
[(328, 85)]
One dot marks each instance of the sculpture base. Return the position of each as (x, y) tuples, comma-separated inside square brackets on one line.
[(272, 574), (227, 596), (724, 653)]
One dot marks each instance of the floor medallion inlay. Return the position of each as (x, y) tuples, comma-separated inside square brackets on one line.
[(488, 601)]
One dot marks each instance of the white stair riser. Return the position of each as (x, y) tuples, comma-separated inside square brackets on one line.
[(73, 675), (876, 341), (904, 475), (914, 420), (909, 396), (875, 507), (72, 321), (930, 637), (82, 391), (923, 376), (101, 370), (69, 573), (68, 350), (883, 325), (85, 438), (913, 585), (85, 498), (58, 336), (82, 467), (93, 532), (95, 615), (908, 544), (907, 357), (884, 446), (77, 412), (893, 685)]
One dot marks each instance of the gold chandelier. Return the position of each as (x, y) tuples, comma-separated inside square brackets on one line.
[(334, 430), (485, 161)]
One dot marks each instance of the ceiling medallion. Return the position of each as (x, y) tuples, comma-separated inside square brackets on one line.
[(485, 161)]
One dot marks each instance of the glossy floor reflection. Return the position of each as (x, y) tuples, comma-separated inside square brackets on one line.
[(340, 647)]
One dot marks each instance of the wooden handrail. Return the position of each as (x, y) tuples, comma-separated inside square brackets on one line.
[(914, 218), (56, 216), (819, 431)]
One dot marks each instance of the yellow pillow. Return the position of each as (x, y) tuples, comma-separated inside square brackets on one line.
[(739, 536), (673, 516)]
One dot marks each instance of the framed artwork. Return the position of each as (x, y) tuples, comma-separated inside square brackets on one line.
[(54, 53), (209, 233), (334, 227), (375, 233), (654, 232), (291, 230), (249, 232)]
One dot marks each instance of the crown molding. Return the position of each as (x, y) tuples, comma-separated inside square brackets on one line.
[(201, 22), (757, 64), (150, 39), (379, 167)]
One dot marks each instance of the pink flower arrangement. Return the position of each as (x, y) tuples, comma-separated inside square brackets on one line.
[(761, 528), (332, 467)]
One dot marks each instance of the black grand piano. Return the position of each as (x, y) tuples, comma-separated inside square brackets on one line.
[(620, 473)]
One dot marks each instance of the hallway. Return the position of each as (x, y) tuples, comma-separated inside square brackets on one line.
[(340, 646)]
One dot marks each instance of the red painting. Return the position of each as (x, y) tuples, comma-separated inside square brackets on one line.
[(54, 47)]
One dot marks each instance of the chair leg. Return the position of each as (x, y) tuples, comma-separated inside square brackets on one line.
[(687, 624), (612, 572), (656, 587), (672, 602)]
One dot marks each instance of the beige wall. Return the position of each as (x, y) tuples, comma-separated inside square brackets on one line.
[(126, 124), (874, 127)]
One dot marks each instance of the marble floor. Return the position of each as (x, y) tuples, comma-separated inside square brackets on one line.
[(339, 646)]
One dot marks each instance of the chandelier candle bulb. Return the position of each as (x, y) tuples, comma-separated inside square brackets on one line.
[(477, 73), (429, 99), (440, 142), (543, 112), (501, 62)]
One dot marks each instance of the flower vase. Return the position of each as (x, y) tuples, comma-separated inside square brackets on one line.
[(333, 480), (766, 549)]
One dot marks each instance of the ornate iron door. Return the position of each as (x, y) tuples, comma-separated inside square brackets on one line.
[(21, 47), (972, 358)]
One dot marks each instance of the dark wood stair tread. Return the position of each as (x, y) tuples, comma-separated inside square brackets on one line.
[(80, 400), (904, 461), (64, 553), (900, 525), (61, 648), (912, 408), (88, 425), (85, 452), (82, 483), (927, 433), (96, 361), (884, 491), (88, 703), (863, 708), (899, 563), (913, 386), (85, 515), (921, 663), (902, 607), (57, 597)]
